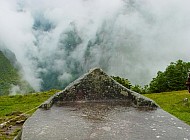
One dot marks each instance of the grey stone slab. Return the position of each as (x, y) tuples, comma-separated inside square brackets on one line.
[(97, 85), (103, 121), (96, 107)]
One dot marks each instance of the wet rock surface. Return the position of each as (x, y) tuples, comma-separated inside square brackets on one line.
[(103, 120), (97, 85), (96, 107)]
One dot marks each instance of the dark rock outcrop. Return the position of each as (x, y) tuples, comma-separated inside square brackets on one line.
[(97, 85)]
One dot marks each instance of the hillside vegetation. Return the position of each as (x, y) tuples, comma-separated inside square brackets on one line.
[(173, 78), (176, 103), (10, 79), (14, 107)]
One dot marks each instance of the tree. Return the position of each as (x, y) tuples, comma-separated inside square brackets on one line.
[(172, 79), (125, 82)]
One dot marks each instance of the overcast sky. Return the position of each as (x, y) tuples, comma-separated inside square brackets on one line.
[(130, 38)]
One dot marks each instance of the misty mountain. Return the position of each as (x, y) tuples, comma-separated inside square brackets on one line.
[(11, 81), (57, 41), (66, 58)]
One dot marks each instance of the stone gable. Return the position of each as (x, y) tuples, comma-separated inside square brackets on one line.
[(97, 85)]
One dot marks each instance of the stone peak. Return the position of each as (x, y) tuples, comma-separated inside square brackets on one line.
[(97, 85)]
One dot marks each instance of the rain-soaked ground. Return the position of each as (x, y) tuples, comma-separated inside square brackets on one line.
[(102, 120)]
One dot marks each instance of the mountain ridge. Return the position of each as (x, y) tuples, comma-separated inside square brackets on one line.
[(11, 80)]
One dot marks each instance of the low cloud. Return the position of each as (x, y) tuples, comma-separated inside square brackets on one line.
[(60, 40)]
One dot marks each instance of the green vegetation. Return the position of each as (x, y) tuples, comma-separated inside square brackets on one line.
[(8, 75), (174, 103), (14, 106), (172, 79), (23, 103), (125, 82), (140, 89), (10, 78)]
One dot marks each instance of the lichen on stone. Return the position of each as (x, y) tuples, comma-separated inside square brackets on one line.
[(97, 85)]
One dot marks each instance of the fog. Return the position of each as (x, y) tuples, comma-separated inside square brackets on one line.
[(57, 41)]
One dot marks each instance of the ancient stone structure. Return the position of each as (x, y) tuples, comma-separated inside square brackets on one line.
[(96, 107), (97, 85)]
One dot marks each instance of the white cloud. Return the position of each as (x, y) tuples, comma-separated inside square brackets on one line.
[(130, 38)]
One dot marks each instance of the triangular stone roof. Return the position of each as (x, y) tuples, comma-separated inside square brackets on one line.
[(97, 85), (96, 107)]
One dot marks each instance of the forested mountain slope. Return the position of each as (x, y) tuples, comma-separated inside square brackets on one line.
[(10, 79)]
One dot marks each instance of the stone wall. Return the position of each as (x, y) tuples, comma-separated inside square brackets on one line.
[(97, 85)]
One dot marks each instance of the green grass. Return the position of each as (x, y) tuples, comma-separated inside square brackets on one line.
[(173, 102), (22, 103), (14, 106)]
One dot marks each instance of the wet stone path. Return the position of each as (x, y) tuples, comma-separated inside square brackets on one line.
[(103, 121)]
